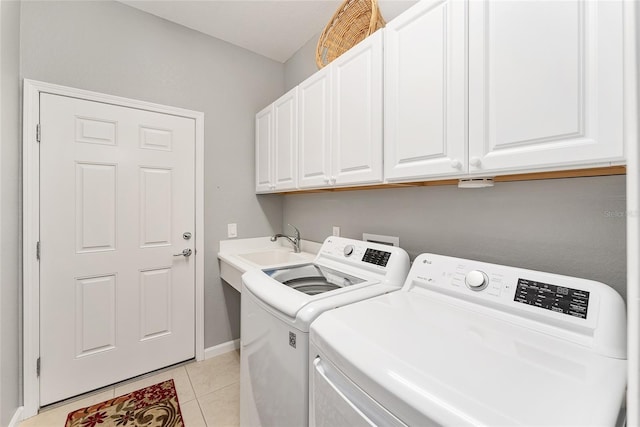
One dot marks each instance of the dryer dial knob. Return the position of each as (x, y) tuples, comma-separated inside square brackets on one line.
[(476, 280), (348, 250)]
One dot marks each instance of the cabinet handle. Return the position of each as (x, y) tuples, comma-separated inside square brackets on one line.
[(326, 179), (456, 164), (475, 161), (333, 180)]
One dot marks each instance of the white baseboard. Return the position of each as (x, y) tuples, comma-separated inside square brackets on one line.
[(17, 417), (219, 349)]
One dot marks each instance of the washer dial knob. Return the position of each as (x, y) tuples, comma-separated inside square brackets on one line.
[(348, 250), (476, 280)]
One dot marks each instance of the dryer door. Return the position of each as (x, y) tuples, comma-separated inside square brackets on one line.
[(335, 401)]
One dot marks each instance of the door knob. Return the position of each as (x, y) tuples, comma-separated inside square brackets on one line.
[(184, 253)]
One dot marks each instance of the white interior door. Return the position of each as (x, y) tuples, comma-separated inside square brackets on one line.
[(117, 192)]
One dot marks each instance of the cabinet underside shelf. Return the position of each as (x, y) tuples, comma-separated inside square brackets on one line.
[(574, 173)]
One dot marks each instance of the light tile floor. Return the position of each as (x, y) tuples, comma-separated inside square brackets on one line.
[(208, 392)]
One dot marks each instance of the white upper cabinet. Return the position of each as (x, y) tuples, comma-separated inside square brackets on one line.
[(471, 88), (314, 127), (340, 120), (277, 145), (264, 146), (545, 84), (285, 115), (425, 92), (356, 128)]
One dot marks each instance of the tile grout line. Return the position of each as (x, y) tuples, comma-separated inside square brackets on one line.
[(202, 413), (195, 395), (197, 398)]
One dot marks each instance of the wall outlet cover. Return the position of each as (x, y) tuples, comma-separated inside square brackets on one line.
[(232, 230), (336, 231)]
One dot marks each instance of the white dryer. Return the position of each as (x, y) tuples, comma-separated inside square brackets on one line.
[(278, 306), (467, 343)]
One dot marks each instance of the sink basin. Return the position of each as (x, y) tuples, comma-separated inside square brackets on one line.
[(273, 257)]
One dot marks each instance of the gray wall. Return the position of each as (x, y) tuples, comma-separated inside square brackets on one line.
[(10, 302), (108, 47), (302, 64), (573, 226), (570, 226)]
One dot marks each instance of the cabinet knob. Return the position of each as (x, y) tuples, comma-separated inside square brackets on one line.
[(475, 161), (456, 164)]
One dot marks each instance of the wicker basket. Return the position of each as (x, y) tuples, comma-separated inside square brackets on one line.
[(353, 22)]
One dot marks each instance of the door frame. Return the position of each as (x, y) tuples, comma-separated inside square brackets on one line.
[(31, 221)]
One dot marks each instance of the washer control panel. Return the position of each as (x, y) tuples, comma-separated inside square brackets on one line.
[(376, 257), (476, 280), (359, 251), (389, 262)]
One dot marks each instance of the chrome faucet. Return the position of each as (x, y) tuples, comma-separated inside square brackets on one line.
[(295, 240)]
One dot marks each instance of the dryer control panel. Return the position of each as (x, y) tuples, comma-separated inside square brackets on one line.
[(574, 308), (560, 299)]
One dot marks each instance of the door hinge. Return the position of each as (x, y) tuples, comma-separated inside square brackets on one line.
[(38, 367), (38, 251), (38, 132)]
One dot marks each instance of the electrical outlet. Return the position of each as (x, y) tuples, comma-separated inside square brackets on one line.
[(232, 230), (336, 231)]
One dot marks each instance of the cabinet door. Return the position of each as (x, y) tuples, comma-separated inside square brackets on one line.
[(264, 143), (285, 156), (356, 147), (425, 92), (545, 84), (314, 130)]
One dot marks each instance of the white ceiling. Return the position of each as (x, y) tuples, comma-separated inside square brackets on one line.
[(275, 29)]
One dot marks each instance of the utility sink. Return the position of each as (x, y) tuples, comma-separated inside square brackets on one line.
[(240, 255), (273, 257)]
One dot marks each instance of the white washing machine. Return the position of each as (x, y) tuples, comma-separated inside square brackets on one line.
[(467, 343), (279, 305)]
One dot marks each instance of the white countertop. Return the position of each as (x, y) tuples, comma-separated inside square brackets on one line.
[(231, 251)]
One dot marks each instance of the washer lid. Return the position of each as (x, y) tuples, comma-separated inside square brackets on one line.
[(424, 359), (289, 301), (312, 279)]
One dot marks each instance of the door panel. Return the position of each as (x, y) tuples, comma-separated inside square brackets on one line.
[(155, 206), (117, 191), (95, 314), (95, 207), (155, 303)]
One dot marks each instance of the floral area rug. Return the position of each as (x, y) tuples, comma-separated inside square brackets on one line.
[(153, 406)]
